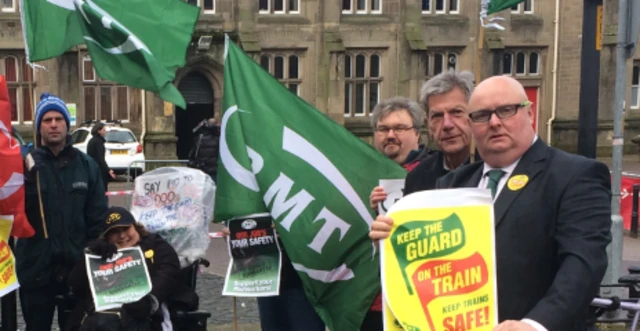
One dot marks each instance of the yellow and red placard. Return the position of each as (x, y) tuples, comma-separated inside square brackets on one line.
[(8, 278), (438, 265)]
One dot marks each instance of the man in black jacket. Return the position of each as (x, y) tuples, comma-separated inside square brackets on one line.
[(65, 203), (445, 98), (95, 149), (204, 152)]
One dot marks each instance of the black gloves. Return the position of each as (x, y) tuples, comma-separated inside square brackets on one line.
[(141, 309), (102, 248)]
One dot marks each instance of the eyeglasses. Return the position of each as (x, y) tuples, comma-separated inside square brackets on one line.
[(397, 130), (484, 115)]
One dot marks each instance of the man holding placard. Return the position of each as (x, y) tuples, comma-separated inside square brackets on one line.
[(552, 213)]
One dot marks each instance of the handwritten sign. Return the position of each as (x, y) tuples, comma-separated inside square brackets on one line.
[(178, 204), (438, 263)]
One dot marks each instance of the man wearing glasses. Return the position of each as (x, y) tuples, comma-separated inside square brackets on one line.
[(396, 124), (445, 98), (552, 229)]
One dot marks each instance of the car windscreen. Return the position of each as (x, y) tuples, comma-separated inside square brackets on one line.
[(79, 136), (120, 137)]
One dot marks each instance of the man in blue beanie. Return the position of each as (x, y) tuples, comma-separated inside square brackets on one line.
[(65, 203)]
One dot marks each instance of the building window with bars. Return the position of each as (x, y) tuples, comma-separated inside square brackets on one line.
[(361, 6), (279, 7), (8, 6), (439, 61), (285, 68), (635, 86), (103, 100), (525, 7), (21, 84), (207, 6), (521, 63), (363, 76), (441, 6)]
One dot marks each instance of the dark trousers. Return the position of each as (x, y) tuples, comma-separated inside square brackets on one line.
[(290, 311), (38, 306)]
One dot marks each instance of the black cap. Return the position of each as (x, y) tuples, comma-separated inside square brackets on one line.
[(117, 217)]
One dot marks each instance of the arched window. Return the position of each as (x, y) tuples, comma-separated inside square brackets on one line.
[(521, 63), (103, 99), (21, 85), (533, 63), (507, 63), (526, 62), (362, 87), (436, 63), (285, 67)]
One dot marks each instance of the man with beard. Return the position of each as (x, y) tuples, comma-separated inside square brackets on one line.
[(396, 124), (445, 98)]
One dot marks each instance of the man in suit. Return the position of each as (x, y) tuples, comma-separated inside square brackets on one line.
[(552, 213)]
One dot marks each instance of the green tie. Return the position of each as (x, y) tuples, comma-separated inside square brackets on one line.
[(494, 178)]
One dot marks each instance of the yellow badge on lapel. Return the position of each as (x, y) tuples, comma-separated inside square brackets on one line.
[(149, 254), (517, 182)]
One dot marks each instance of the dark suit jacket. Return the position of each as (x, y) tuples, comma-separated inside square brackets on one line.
[(551, 236), (423, 177)]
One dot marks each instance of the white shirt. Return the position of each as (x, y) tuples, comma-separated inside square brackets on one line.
[(484, 181), (508, 170)]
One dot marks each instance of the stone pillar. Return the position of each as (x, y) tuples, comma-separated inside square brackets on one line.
[(160, 139)]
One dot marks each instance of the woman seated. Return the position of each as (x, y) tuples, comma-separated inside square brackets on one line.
[(122, 231)]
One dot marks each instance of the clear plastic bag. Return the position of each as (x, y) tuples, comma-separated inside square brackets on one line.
[(177, 203)]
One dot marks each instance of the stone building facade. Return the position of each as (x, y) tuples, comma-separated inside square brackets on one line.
[(342, 56)]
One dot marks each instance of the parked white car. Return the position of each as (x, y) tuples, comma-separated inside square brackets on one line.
[(121, 148)]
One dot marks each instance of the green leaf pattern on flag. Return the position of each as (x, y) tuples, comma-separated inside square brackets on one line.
[(281, 155)]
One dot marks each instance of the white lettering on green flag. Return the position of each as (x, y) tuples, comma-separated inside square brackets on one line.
[(280, 155)]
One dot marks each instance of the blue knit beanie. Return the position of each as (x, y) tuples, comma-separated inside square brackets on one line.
[(49, 102)]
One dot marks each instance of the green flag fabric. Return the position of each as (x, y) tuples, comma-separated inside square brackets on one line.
[(50, 28), (139, 43), (500, 5), (278, 154)]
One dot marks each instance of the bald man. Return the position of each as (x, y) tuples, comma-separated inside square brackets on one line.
[(552, 213)]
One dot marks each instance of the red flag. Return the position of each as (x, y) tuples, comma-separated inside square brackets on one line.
[(11, 176)]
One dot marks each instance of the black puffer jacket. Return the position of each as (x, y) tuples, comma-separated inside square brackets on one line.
[(163, 265), (205, 149)]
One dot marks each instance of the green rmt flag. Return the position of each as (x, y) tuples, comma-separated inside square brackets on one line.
[(139, 43), (500, 5), (278, 154)]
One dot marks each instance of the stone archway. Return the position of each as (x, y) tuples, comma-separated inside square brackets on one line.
[(199, 83)]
